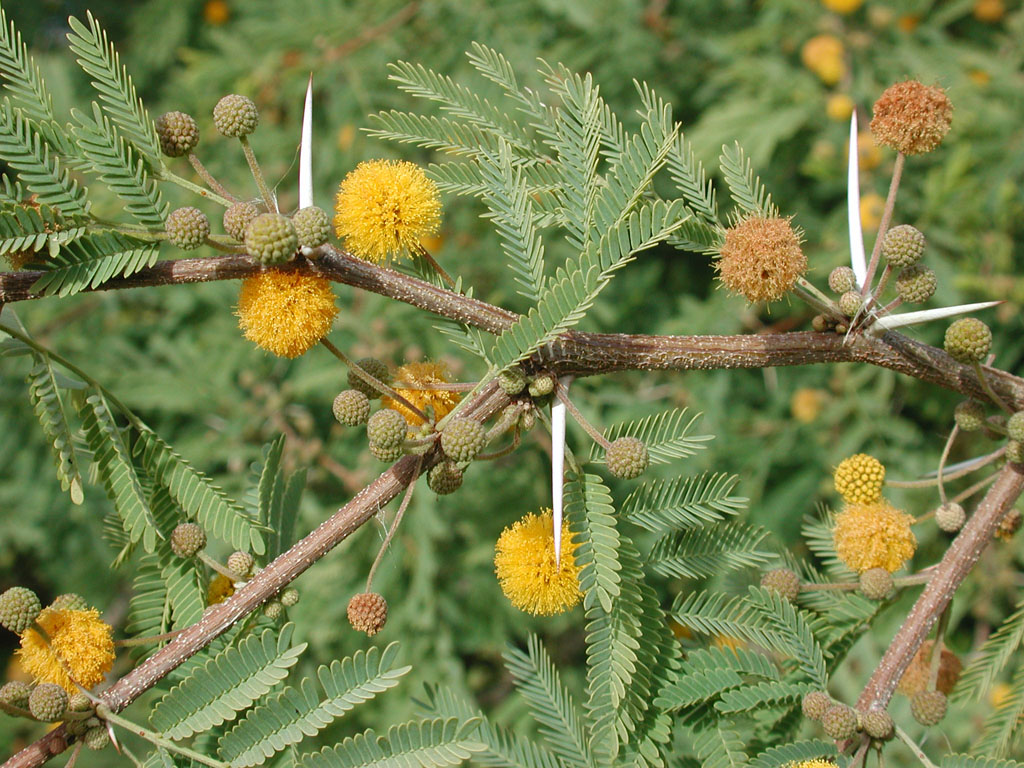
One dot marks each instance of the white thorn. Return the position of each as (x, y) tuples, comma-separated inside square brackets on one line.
[(858, 262), (306, 151), (557, 468), (891, 322)]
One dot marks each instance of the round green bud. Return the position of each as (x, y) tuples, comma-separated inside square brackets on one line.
[(19, 607), (273, 609), (950, 517), (969, 415), (541, 385), (351, 408), (876, 583), (70, 601), (463, 439), (444, 478), (850, 303), (289, 597), (187, 228), (815, 704), (1015, 426), (312, 225), (968, 340), (96, 738), (903, 246), (241, 563), (387, 429), (236, 116), (527, 419), (512, 380), (784, 581), (270, 239), (48, 702), (15, 693), (839, 721), (819, 323), (375, 368), (387, 453), (928, 707), (1015, 451), (79, 702), (627, 458), (178, 133), (916, 284), (187, 539), (238, 217), (842, 280), (878, 724)]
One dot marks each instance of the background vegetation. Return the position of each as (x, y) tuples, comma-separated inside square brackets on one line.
[(733, 70)]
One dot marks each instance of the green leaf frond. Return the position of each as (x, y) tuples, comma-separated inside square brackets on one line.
[(666, 435), (99, 60), (116, 163), (299, 712), (719, 747), (748, 698), (797, 752), (1001, 730), (416, 744), (505, 749), (91, 260), (701, 552), (48, 390), (496, 68), (718, 615), (149, 611), (30, 229), (985, 667), (794, 627), (817, 532), (197, 496), (747, 191), (588, 506), (707, 673), (227, 684), (551, 705), (664, 506), (37, 165)]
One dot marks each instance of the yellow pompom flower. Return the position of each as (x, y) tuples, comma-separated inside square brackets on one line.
[(524, 561), (874, 536), (839, 107), (823, 55), (842, 6), (415, 375), (80, 643), (859, 479), (761, 258), (219, 590), (285, 312), (812, 764), (384, 208)]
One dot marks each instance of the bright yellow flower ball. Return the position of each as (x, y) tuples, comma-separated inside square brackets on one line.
[(874, 536), (285, 312), (384, 208), (839, 107), (524, 561), (842, 6), (859, 479), (812, 764), (414, 376), (823, 55), (79, 643), (989, 10)]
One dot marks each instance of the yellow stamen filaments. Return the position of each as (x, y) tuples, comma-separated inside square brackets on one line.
[(286, 312), (874, 535), (78, 648), (524, 561)]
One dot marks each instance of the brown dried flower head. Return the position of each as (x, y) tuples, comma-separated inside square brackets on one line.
[(911, 117), (761, 258), (916, 678)]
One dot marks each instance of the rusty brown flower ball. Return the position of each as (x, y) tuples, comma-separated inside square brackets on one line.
[(761, 258), (911, 117), (368, 612)]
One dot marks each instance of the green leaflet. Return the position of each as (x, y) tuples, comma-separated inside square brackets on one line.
[(794, 753), (993, 656), (92, 259), (44, 390), (683, 502), (298, 712), (746, 189), (227, 684), (666, 435), (588, 507), (416, 744), (29, 228), (1001, 729), (701, 552)]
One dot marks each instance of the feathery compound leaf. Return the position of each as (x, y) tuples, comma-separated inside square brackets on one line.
[(30, 228), (271, 485), (747, 663), (537, 680), (791, 624), (296, 713), (496, 68), (93, 259), (416, 744), (971, 761), (701, 552), (719, 748), (226, 684), (99, 60), (430, 132), (817, 531), (511, 210), (588, 506), (117, 472), (797, 752), (185, 592), (149, 611), (990, 660), (713, 613), (39, 169), (504, 748), (197, 496), (666, 435), (116, 163), (1001, 728), (761, 695), (682, 503), (44, 390), (698, 688), (745, 188)]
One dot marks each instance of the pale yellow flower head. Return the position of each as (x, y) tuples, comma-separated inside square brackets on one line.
[(812, 764), (80, 643), (285, 312), (384, 208), (874, 535), (219, 589), (524, 560)]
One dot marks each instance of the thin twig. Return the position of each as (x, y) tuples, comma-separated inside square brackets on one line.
[(257, 174), (589, 428), (425, 254), (995, 398), (104, 713), (206, 176), (943, 459), (166, 175), (372, 380), (128, 642), (395, 523), (883, 225), (918, 753)]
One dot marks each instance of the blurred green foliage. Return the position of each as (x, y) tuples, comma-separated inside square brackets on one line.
[(733, 71)]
